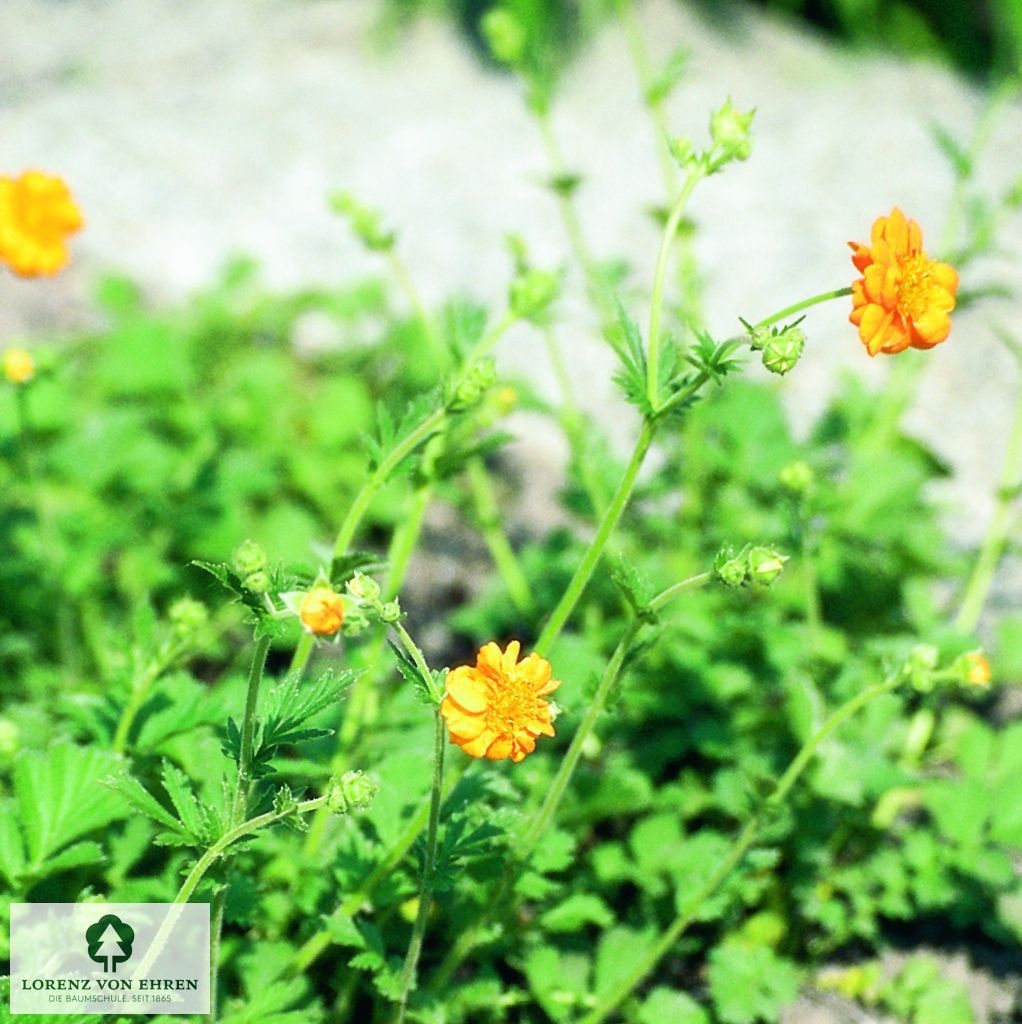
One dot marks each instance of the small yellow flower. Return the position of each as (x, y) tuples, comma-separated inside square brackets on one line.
[(19, 366), (322, 611), (37, 215), (978, 672), (903, 299), (497, 707)]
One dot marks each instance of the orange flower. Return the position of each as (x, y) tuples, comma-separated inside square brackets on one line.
[(903, 298), (37, 214), (978, 671), (322, 611), (19, 366), (496, 708)]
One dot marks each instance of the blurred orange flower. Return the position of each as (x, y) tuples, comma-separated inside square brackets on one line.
[(19, 366), (37, 215), (496, 708), (322, 611), (903, 298)]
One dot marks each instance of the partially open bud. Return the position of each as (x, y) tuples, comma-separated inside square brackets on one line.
[(765, 565), (390, 612), (257, 582), (248, 558), (922, 667), (730, 130), (470, 389), (19, 366), (732, 569), (322, 611), (353, 791), (975, 669)]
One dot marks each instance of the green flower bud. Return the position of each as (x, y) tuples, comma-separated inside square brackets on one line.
[(10, 739), (731, 569), (248, 558), (391, 611), (798, 477), (922, 666), (187, 616), (353, 791), (729, 130), (363, 588), (782, 351), (504, 35), (765, 565), (257, 582), (471, 388), (532, 292)]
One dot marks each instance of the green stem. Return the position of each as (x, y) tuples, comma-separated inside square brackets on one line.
[(420, 662), (504, 557), (255, 678), (797, 307), (995, 539), (659, 279), (559, 616), (207, 860), (611, 1001), (558, 787), (411, 964)]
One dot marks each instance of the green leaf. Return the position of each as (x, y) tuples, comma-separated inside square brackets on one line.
[(130, 789), (577, 911), (75, 856), (179, 789), (750, 983), (12, 846), (61, 796), (665, 1005)]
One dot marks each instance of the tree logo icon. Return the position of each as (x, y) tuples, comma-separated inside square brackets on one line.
[(110, 941)]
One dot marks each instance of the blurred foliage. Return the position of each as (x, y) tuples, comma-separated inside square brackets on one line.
[(983, 38)]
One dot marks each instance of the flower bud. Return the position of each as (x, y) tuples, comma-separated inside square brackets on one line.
[(974, 669), (187, 616), (10, 739), (729, 130), (473, 385), (532, 292), (19, 366), (783, 350), (731, 569), (765, 565), (257, 582), (921, 666), (322, 611), (248, 558), (797, 477), (353, 791), (504, 35), (391, 611), (363, 588)]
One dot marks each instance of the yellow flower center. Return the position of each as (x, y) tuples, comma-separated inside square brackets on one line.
[(512, 702), (917, 284)]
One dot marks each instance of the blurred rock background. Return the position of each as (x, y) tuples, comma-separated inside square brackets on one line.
[(191, 131)]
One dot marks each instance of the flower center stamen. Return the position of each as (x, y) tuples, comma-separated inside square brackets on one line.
[(917, 283)]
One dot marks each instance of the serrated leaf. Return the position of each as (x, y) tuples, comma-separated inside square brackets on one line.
[(128, 787), (179, 789), (750, 983), (12, 846), (60, 797), (75, 856), (343, 567)]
